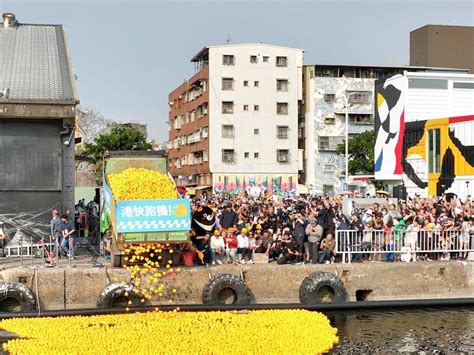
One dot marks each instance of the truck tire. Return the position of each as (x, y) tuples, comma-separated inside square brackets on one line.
[(16, 297), (226, 289), (116, 295), (322, 287)]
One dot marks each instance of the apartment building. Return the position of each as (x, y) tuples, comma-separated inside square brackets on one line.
[(322, 118), (234, 123)]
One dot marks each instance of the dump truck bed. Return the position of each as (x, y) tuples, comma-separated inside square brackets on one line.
[(142, 221)]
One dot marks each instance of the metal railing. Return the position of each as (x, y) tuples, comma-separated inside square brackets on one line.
[(378, 245)]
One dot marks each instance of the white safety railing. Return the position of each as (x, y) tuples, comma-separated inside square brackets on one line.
[(378, 245)]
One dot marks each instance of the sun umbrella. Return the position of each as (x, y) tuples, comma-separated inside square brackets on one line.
[(343, 193), (382, 192)]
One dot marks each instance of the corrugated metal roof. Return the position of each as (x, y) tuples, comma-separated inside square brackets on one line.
[(35, 63)]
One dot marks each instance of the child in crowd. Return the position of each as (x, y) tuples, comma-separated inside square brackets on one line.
[(389, 246), (231, 242)]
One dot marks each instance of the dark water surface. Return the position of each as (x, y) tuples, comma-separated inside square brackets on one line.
[(440, 330)]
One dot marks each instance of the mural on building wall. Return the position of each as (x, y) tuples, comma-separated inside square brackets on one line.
[(336, 108), (329, 165), (401, 148), (328, 170), (235, 184), (389, 128), (456, 156)]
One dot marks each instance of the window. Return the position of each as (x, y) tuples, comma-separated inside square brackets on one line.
[(282, 108), (361, 119), (281, 61), (256, 107), (463, 85), (246, 107), (253, 59), (256, 131), (329, 97), (283, 155), (227, 84), (228, 59), (256, 155), (329, 120), (227, 131), (228, 156), (246, 154), (282, 132), (358, 97), (441, 84), (328, 190), (433, 151), (227, 107), (246, 83), (282, 85), (266, 58), (256, 84), (323, 143)]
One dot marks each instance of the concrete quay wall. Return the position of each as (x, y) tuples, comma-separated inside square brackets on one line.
[(72, 288)]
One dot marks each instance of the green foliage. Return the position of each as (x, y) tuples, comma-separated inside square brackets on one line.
[(361, 153), (119, 138)]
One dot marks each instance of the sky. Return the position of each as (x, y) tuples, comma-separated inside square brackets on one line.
[(128, 55)]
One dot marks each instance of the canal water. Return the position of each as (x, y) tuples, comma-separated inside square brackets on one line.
[(409, 330), (426, 330)]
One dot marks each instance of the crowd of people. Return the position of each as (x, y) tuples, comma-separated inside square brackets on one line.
[(83, 230), (302, 230)]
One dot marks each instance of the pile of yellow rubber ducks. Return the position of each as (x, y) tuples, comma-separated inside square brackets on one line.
[(141, 184), (254, 332)]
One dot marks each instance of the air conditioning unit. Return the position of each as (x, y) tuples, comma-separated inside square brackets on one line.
[(327, 72)]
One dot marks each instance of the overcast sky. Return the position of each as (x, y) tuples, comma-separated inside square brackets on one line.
[(129, 55)]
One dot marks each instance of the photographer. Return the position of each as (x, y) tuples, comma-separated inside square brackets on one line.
[(299, 229), (328, 250), (276, 248), (289, 250)]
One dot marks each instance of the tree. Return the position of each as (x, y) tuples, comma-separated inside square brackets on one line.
[(361, 153), (91, 123), (119, 138)]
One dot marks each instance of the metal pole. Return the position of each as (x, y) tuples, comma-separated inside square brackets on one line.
[(42, 256), (69, 244), (347, 140), (31, 251), (21, 250)]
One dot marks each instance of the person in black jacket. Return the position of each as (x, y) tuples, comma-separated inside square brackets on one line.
[(323, 217), (229, 217)]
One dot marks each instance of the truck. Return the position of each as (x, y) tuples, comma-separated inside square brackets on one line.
[(134, 222)]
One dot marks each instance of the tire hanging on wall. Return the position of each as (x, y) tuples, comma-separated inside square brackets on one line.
[(226, 289), (118, 295), (16, 297), (322, 287)]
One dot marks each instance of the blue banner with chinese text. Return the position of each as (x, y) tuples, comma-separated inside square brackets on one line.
[(153, 215)]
